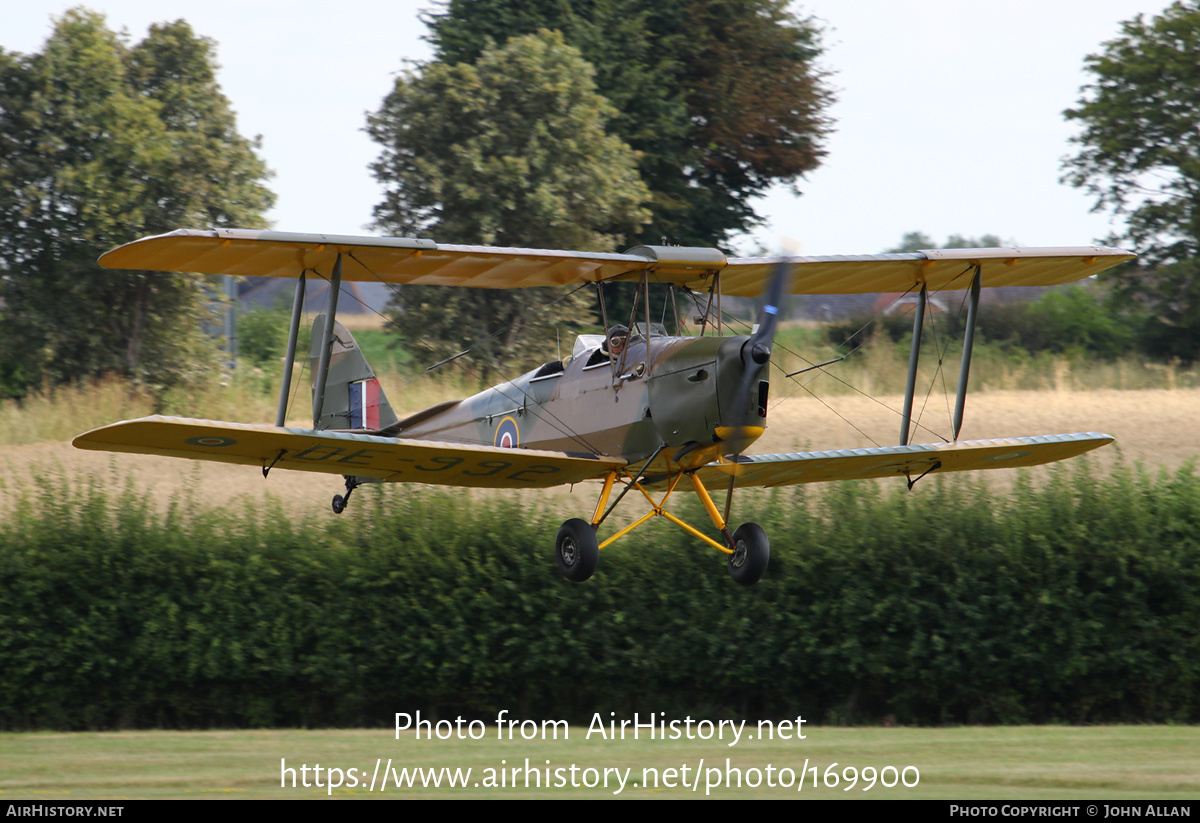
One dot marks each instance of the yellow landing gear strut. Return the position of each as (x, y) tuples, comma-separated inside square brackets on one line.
[(748, 549)]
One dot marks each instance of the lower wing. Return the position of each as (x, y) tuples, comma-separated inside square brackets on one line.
[(358, 455), (902, 461)]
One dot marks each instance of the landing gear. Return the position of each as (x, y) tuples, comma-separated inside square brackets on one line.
[(577, 550), (751, 553), (341, 501)]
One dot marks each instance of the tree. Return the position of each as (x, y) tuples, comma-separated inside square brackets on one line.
[(510, 151), (215, 176), (721, 98), (99, 144), (1140, 157), (919, 241)]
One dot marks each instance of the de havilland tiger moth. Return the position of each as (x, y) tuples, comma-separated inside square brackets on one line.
[(635, 409)]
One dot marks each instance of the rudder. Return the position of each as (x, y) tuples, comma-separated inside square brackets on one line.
[(354, 400)]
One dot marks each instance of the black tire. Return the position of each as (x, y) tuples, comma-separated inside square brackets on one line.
[(751, 554), (577, 550), (339, 504)]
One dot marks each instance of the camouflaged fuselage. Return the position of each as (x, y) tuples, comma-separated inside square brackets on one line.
[(675, 395)]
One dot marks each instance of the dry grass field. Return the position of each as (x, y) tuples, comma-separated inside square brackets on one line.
[(1158, 427)]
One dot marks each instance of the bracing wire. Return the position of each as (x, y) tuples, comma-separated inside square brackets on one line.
[(803, 384), (541, 413)]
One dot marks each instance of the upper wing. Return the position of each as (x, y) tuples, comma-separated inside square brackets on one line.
[(939, 269), (376, 259), (893, 461), (423, 262), (360, 455)]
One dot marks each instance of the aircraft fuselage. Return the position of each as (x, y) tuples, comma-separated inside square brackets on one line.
[(677, 393)]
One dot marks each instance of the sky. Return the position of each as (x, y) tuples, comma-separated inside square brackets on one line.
[(948, 113)]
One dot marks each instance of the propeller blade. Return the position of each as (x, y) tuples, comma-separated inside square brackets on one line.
[(756, 352), (768, 316)]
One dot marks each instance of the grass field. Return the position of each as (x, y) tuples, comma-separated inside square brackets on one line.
[(969, 763), (1154, 426)]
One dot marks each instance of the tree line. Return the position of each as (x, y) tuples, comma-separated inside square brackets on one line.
[(592, 124), (1140, 156), (102, 142)]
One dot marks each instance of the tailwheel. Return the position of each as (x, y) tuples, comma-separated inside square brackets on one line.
[(751, 553), (577, 550)]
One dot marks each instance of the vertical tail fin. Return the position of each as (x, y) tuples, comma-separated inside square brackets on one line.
[(353, 397)]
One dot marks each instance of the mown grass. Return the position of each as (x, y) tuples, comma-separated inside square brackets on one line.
[(967, 763)]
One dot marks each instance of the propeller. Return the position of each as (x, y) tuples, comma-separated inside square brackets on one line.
[(756, 353)]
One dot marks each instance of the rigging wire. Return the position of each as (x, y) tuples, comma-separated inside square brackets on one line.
[(803, 384), (941, 353), (546, 416), (941, 356), (559, 425), (821, 371)]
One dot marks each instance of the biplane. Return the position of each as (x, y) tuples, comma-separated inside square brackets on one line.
[(636, 409)]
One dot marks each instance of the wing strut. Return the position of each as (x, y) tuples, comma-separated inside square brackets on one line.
[(293, 336), (335, 288), (914, 355), (964, 372), (646, 296)]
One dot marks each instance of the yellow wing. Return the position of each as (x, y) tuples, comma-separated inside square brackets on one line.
[(939, 269), (901, 461), (423, 262), (359, 455)]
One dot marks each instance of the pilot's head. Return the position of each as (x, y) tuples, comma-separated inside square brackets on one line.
[(617, 337)]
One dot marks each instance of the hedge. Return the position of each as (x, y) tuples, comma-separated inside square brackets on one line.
[(1074, 597)]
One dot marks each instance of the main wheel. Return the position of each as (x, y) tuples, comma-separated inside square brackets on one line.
[(339, 504), (751, 553), (577, 550)]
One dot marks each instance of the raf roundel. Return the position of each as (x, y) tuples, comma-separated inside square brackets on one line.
[(507, 434), (210, 441)]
